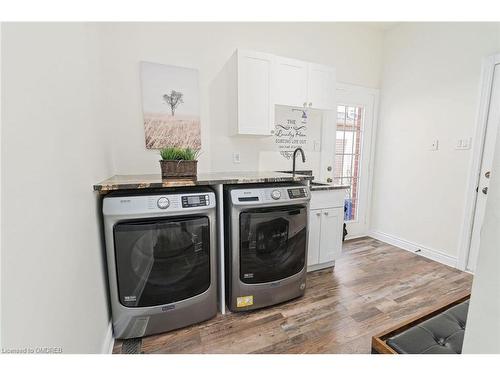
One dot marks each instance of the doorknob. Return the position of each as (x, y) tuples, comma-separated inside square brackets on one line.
[(326, 213), (305, 104), (310, 104), (485, 190), (318, 213)]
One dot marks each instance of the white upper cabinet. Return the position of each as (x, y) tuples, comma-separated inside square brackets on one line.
[(290, 82), (298, 83), (252, 83), (255, 109), (321, 87)]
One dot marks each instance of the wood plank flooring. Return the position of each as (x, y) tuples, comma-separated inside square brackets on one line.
[(373, 286)]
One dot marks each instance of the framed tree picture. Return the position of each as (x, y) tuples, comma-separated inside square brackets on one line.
[(171, 106)]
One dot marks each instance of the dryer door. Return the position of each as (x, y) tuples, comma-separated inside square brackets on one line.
[(272, 243), (162, 261)]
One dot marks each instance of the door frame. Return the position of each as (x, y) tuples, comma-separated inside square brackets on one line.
[(371, 155), (485, 90)]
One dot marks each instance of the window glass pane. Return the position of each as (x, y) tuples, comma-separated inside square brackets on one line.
[(348, 142), (337, 170), (339, 145), (346, 166), (348, 155)]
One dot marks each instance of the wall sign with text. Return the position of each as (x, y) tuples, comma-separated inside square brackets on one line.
[(290, 130)]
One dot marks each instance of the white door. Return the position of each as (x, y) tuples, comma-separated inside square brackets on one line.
[(314, 237), (331, 234), (290, 82), (321, 87), (492, 127), (356, 116), (255, 111)]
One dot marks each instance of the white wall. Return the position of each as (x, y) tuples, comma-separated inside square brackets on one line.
[(71, 116), (482, 334), (54, 147), (354, 50), (430, 86)]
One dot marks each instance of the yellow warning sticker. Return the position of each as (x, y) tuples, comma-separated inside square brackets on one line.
[(244, 301)]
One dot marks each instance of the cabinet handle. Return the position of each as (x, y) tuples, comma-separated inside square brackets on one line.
[(310, 104), (326, 213), (318, 213), (305, 104)]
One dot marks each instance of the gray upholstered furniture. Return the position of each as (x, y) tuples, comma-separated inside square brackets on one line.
[(437, 332)]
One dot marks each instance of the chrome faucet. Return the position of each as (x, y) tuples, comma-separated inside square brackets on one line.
[(298, 149)]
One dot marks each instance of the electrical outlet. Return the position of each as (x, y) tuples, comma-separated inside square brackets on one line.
[(434, 145), (236, 158)]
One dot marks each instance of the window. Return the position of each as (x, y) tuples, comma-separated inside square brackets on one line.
[(348, 155)]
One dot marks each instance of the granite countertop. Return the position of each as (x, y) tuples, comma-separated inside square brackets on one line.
[(127, 182)]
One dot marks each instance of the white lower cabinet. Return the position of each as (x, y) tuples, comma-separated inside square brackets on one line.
[(326, 226), (314, 237), (332, 225)]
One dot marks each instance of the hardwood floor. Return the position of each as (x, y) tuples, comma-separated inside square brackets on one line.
[(373, 286)]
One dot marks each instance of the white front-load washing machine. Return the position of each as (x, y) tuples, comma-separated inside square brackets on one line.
[(161, 255)]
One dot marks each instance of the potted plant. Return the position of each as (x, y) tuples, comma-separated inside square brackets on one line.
[(178, 162)]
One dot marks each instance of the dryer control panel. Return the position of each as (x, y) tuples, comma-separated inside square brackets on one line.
[(196, 200)]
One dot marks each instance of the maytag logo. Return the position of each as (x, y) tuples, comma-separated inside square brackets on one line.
[(124, 200), (167, 308)]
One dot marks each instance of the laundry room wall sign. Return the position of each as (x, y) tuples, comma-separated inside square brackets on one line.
[(291, 130)]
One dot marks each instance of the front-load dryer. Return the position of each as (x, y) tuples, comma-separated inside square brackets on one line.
[(266, 237), (161, 255)]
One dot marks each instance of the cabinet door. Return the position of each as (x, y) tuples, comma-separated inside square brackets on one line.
[(321, 87), (290, 82), (255, 109), (314, 237), (332, 220)]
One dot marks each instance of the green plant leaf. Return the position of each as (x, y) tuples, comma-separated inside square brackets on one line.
[(177, 153)]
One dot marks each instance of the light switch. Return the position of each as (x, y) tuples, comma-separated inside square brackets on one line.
[(463, 144), (236, 158), (434, 145)]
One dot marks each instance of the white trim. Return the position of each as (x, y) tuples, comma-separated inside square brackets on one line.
[(375, 93), (353, 237), (426, 252), (109, 340), (320, 266), (219, 189), (488, 67)]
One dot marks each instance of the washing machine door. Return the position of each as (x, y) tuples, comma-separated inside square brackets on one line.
[(162, 261), (273, 243)]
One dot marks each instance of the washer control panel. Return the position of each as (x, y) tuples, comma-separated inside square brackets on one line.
[(158, 203), (195, 200), (276, 194), (266, 195), (296, 193), (163, 203)]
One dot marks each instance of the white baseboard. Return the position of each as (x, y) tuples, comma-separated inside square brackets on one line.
[(436, 255), (320, 266), (109, 340)]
